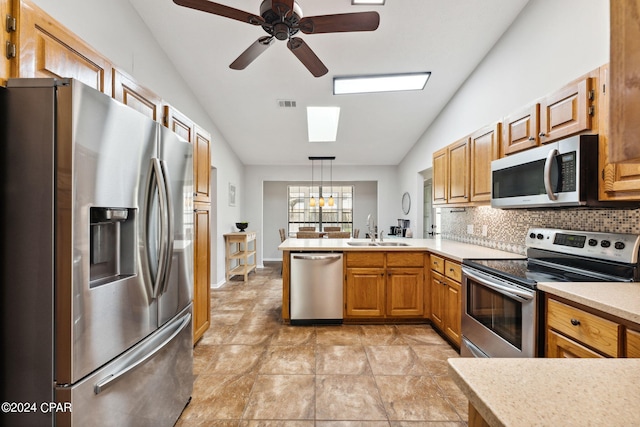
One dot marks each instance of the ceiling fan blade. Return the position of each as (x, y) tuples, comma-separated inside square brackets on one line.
[(221, 10), (282, 7), (308, 58), (340, 23), (252, 52)]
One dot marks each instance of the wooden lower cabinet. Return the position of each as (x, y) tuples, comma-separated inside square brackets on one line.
[(365, 294), (452, 312), (586, 329), (438, 287), (633, 343), (577, 331), (382, 285), (559, 346), (405, 292), (202, 270), (446, 297)]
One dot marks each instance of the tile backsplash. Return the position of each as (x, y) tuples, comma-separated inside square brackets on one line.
[(507, 228)]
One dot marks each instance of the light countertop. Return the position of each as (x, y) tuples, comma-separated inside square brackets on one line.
[(456, 251), (551, 392)]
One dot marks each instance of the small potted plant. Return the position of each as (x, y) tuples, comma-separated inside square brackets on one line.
[(242, 225)]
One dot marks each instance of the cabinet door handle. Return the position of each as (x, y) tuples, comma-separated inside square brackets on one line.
[(532, 138), (575, 322), (542, 134)]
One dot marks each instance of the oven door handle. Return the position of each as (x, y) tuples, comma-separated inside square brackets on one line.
[(492, 283)]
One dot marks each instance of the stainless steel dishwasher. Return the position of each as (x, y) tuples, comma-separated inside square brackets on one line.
[(316, 288)]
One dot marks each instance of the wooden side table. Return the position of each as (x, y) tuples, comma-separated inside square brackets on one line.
[(240, 254)]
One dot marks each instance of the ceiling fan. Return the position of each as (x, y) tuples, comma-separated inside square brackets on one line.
[(282, 19)]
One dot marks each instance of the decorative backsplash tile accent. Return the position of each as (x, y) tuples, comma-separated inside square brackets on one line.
[(507, 228)]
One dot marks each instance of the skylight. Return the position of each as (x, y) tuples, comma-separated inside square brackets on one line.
[(380, 83), (368, 2), (322, 123)]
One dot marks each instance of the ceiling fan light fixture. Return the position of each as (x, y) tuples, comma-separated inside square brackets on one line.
[(380, 83)]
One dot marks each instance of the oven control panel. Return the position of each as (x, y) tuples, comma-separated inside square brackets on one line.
[(616, 247)]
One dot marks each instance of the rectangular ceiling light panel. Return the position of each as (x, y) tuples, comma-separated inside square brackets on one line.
[(380, 83), (322, 123), (368, 2)]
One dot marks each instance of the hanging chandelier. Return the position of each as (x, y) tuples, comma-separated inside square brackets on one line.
[(312, 200)]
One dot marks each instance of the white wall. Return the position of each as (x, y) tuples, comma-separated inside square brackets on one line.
[(389, 207), (116, 30), (550, 43), (275, 206)]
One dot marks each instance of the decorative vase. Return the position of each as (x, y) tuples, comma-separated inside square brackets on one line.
[(242, 226)]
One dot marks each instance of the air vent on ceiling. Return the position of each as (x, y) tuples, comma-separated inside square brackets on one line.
[(286, 103)]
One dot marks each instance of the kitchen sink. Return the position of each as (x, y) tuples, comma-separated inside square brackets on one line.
[(362, 244), (377, 244)]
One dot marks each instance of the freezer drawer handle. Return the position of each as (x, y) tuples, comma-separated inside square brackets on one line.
[(140, 359)]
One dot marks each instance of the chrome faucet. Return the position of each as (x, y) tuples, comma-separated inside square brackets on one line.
[(381, 235), (371, 228)]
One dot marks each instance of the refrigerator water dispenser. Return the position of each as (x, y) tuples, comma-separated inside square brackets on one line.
[(112, 248)]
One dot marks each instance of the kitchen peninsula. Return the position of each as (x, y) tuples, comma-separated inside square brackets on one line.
[(564, 391), (392, 281)]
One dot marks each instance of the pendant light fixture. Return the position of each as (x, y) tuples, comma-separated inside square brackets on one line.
[(312, 201), (321, 201), (331, 202)]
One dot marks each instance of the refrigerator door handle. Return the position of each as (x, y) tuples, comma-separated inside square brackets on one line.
[(156, 180), (143, 354), (168, 200)]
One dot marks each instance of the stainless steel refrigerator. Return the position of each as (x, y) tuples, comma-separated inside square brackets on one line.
[(97, 260)]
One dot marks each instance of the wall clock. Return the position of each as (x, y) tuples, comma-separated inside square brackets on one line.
[(406, 203)]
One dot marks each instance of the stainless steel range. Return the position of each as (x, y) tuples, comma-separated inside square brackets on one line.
[(501, 308)]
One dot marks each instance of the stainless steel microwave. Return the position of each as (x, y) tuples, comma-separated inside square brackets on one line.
[(562, 173)]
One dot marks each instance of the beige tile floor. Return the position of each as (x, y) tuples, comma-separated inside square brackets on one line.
[(251, 370)]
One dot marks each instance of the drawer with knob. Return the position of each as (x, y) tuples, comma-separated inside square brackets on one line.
[(594, 331), (437, 264), (453, 270)]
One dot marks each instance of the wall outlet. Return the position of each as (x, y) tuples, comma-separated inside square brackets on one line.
[(485, 230), (470, 229)]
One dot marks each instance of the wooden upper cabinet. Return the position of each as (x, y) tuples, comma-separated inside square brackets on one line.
[(5, 39), (484, 147), (520, 130), (624, 132), (129, 92), (458, 171), (201, 140), (178, 123), (440, 176), (202, 165), (47, 49), (618, 181), (567, 111)]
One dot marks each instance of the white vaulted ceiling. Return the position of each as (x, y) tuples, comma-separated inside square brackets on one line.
[(447, 37)]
